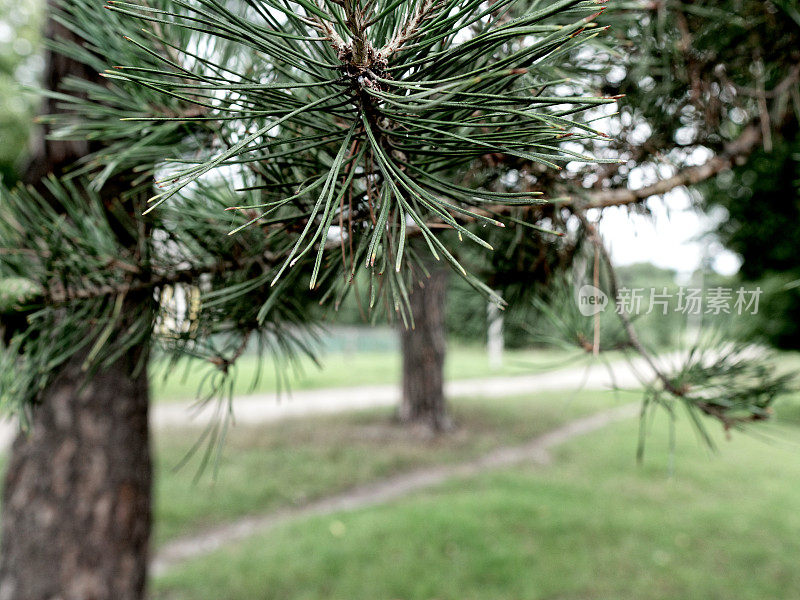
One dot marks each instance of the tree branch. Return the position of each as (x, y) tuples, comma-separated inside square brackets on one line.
[(732, 154), (630, 331)]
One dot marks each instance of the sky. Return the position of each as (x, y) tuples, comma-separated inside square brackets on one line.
[(671, 238)]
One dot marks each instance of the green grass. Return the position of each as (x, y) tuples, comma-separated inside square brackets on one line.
[(294, 461), (592, 525), (351, 369)]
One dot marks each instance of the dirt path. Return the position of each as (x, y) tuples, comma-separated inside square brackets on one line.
[(537, 450), (263, 408)]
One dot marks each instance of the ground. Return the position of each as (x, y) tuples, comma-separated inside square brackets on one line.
[(292, 462), (591, 525)]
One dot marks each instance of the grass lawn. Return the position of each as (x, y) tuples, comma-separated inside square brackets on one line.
[(337, 369), (592, 525), (297, 460)]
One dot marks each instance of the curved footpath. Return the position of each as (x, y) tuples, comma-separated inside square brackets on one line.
[(537, 451), (264, 408)]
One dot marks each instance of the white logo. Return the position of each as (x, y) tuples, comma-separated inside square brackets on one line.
[(591, 300)]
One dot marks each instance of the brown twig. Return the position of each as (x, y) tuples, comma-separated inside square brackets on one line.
[(630, 331), (732, 154), (406, 33)]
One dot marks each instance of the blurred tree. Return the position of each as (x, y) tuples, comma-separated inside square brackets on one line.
[(20, 64), (423, 350)]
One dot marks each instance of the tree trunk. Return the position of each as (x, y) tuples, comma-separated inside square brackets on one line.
[(76, 503), (77, 498), (423, 349), (53, 156)]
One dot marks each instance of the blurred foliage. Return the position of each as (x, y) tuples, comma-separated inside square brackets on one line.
[(762, 202), (656, 329), (695, 72), (778, 319), (695, 75), (20, 65), (762, 224)]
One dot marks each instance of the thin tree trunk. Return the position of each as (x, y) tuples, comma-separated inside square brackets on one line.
[(77, 495), (423, 348)]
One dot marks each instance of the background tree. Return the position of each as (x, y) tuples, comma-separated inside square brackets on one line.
[(423, 347)]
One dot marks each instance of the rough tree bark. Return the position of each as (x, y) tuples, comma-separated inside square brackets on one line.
[(77, 494), (76, 502), (423, 348)]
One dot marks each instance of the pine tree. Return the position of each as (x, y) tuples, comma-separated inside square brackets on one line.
[(104, 425), (292, 145), (333, 133)]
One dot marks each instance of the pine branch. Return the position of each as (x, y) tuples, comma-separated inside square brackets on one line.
[(726, 384), (630, 331), (415, 113)]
